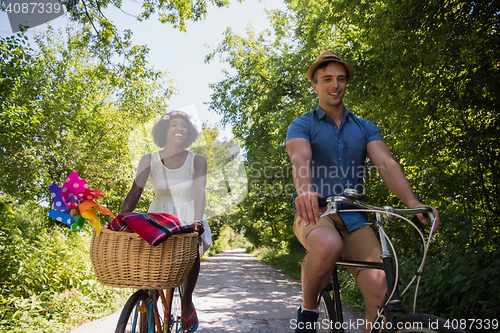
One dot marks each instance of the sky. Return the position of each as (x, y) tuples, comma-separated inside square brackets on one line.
[(183, 54)]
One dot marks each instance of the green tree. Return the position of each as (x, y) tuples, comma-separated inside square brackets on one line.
[(259, 102), (64, 110)]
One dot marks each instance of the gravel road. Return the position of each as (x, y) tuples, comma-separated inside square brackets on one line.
[(237, 293)]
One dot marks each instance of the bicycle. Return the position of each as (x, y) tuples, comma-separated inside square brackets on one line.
[(152, 311), (330, 307)]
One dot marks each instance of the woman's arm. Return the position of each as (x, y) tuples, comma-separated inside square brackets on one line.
[(135, 192), (131, 199)]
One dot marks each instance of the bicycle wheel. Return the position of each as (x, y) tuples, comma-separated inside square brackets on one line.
[(326, 312), (423, 323), (174, 319), (135, 314)]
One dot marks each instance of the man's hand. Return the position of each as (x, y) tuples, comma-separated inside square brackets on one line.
[(306, 205), (424, 220)]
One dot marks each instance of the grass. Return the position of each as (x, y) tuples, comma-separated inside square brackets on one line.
[(48, 284), (288, 263)]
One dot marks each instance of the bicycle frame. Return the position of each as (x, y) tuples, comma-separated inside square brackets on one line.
[(153, 319), (392, 301)]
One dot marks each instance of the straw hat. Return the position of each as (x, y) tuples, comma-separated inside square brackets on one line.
[(329, 56)]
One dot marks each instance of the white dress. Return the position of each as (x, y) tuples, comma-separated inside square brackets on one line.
[(174, 193)]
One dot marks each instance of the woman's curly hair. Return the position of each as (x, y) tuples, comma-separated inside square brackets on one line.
[(159, 131)]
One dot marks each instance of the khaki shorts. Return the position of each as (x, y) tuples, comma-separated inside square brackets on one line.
[(360, 244)]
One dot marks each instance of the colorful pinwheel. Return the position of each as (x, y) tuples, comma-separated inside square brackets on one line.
[(73, 201)]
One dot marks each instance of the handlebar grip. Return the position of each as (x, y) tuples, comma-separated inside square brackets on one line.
[(415, 219), (322, 202)]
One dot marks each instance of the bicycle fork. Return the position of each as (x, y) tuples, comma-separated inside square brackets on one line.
[(392, 301), (152, 316), (386, 257)]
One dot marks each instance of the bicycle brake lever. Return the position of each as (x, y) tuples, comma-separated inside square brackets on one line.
[(331, 208)]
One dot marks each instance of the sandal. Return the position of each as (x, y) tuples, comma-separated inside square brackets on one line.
[(184, 321)]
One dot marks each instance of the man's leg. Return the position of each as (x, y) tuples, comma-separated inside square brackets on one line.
[(324, 245), (373, 286), (362, 245)]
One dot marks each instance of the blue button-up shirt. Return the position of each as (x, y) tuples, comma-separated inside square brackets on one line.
[(338, 154)]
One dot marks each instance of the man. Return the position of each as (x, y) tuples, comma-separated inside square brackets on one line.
[(327, 148)]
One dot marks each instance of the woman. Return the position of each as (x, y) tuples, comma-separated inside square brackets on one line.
[(179, 178)]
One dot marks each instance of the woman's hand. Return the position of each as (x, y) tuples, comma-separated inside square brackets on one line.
[(198, 227)]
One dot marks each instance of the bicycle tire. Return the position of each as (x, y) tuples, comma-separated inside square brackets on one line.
[(135, 314), (175, 315), (326, 312), (423, 323)]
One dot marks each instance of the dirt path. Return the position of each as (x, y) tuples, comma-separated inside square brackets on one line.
[(237, 293)]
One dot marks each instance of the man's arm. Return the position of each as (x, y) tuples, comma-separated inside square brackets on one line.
[(394, 177), (306, 203)]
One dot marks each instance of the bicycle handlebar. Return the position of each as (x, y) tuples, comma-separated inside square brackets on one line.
[(351, 197)]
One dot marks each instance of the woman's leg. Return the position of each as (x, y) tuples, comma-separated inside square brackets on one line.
[(190, 319)]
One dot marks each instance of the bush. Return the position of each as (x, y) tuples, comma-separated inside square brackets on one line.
[(287, 262), (48, 284), (459, 284)]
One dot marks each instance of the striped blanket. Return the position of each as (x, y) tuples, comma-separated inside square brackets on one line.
[(153, 228)]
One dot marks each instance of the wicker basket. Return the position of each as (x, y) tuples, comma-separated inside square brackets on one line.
[(125, 260)]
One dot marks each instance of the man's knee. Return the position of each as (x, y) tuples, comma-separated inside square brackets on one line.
[(324, 243)]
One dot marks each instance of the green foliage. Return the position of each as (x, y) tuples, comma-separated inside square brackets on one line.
[(63, 110), (226, 179), (259, 102), (227, 239), (426, 72), (48, 284), (464, 287), (457, 280), (226, 186), (287, 262)]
